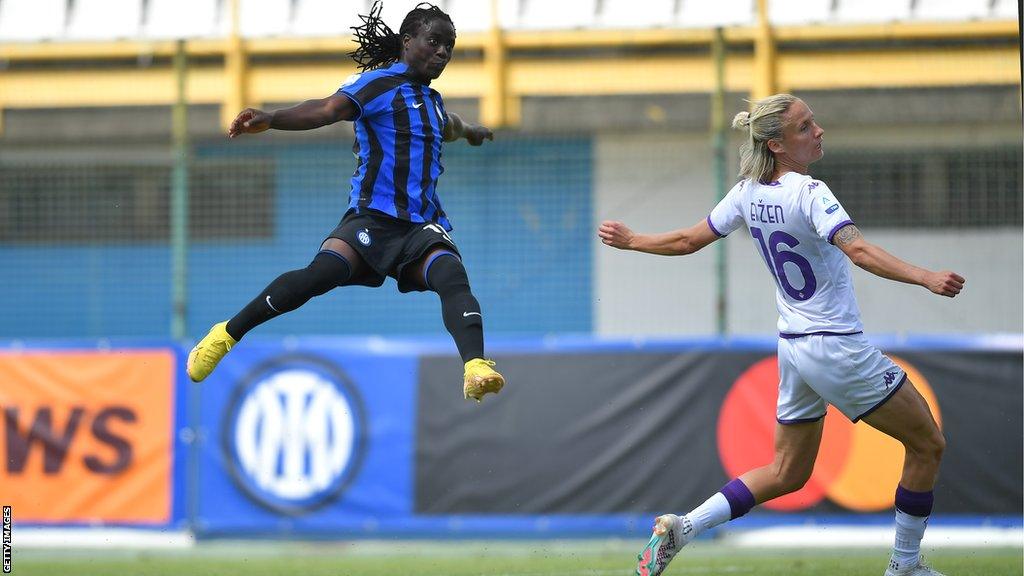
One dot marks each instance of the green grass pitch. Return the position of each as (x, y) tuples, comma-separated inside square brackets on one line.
[(485, 558)]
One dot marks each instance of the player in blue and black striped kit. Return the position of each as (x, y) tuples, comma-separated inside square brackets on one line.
[(395, 225)]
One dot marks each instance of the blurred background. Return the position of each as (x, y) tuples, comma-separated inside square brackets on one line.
[(129, 223), (604, 109)]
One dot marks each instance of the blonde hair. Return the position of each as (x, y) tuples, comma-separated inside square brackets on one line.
[(763, 123)]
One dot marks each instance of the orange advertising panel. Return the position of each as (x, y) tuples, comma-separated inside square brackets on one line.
[(857, 466), (87, 436)]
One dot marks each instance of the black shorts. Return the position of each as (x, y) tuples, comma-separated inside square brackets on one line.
[(388, 245)]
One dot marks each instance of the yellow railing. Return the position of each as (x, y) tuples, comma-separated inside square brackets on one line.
[(501, 66)]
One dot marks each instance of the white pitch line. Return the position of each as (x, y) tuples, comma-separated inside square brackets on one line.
[(628, 571), (864, 537)]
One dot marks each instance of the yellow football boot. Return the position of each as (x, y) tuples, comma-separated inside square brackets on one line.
[(481, 379), (205, 356)]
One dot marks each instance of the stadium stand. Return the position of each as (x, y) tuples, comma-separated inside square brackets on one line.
[(259, 18), (872, 10), (1005, 9), (951, 9), (790, 12), (623, 14), (566, 14), (394, 11), (181, 19), (104, 19), (32, 20), (326, 17), (720, 13), (35, 20), (475, 16)]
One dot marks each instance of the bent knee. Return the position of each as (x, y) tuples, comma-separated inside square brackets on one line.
[(792, 479), (929, 446), (937, 445)]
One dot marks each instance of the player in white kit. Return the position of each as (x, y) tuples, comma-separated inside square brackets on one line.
[(805, 237)]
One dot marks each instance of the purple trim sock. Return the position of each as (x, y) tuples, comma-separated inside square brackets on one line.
[(914, 503), (739, 497)]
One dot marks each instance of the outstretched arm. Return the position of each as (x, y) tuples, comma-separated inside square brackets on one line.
[(880, 263), (456, 128), (675, 243), (305, 116)]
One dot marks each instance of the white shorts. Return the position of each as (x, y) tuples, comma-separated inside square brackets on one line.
[(845, 371)]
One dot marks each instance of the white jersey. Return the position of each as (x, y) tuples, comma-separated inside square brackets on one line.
[(792, 223)]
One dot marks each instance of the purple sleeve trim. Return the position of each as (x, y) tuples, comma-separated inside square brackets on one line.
[(713, 229), (791, 336), (884, 400), (836, 228)]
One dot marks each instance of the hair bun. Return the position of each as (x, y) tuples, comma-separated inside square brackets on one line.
[(741, 121)]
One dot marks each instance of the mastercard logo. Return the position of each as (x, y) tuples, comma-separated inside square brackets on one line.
[(858, 467)]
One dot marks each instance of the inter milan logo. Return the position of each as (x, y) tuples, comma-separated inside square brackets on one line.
[(364, 237), (294, 434), (890, 376)]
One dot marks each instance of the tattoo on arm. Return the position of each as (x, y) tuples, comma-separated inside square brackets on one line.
[(846, 235)]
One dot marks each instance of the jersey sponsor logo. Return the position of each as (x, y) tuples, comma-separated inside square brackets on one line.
[(364, 237), (293, 438), (832, 208)]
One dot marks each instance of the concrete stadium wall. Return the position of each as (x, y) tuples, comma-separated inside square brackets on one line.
[(658, 182)]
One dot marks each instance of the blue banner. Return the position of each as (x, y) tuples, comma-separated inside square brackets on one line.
[(305, 436)]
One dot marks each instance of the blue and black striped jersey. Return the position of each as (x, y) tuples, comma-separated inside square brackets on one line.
[(399, 135)]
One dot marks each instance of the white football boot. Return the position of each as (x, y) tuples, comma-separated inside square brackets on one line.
[(920, 569), (671, 533)]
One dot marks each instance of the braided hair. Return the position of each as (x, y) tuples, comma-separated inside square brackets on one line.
[(379, 45)]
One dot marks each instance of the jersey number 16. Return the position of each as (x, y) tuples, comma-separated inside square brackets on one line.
[(776, 259)]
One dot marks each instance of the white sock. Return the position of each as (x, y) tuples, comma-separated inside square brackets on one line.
[(909, 532), (711, 513)]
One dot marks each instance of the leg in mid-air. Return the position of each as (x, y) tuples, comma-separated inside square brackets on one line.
[(334, 265), (906, 417), (796, 449), (441, 271)]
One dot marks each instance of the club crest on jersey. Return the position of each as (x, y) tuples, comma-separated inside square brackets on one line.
[(364, 237)]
